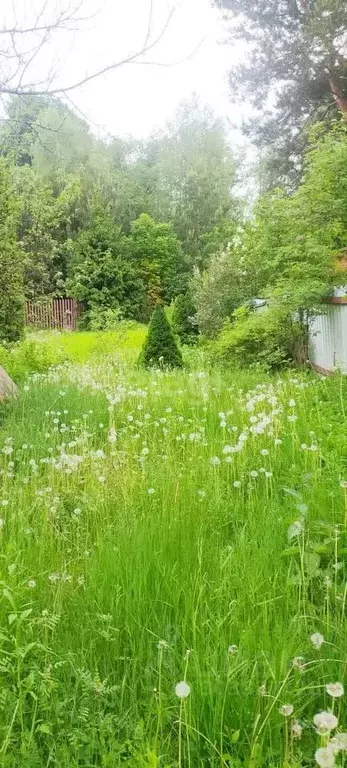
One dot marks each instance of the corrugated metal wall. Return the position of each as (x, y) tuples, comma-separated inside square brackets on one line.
[(328, 339)]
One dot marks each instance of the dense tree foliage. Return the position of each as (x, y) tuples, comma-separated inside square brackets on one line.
[(294, 69), (119, 224), (289, 253), (11, 283), (184, 320)]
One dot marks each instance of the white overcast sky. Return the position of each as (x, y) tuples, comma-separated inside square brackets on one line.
[(136, 99)]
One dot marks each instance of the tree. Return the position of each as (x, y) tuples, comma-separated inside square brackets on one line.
[(220, 289), (184, 322), (24, 47), (291, 252), (45, 222), (157, 256), (11, 283), (101, 276), (295, 67), (193, 173), (160, 348)]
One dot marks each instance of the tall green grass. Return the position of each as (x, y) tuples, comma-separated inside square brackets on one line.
[(139, 549)]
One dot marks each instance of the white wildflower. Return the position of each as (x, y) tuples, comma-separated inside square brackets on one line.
[(317, 640), (150, 491), (286, 710), (237, 484), (339, 742), (232, 650), (296, 730), (335, 690), (295, 529), (325, 757), (215, 461), (31, 583), (325, 722), (182, 690), (264, 452)]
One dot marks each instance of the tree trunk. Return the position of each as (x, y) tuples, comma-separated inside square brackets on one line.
[(7, 386), (339, 96)]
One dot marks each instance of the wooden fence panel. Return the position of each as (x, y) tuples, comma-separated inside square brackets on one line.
[(57, 314)]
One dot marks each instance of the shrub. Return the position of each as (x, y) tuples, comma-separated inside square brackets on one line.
[(219, 290), (271, 338), (101, 319), (184, 322), (160, 348)]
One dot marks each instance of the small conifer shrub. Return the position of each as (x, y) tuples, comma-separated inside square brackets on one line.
[(160, 348)]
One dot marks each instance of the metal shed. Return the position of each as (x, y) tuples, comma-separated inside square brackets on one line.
[(328, 335)]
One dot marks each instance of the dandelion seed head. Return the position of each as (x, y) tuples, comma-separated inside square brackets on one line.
[(286, 710), (325, 722), (232, 650), (339, 742), (31, 583), (182, 690), (295, 529), (317, 640), (296, 730), (325, 757), (335, 690)]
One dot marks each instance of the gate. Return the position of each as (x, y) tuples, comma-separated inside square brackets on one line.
[(57, 314)]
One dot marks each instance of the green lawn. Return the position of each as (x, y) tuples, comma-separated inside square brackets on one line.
[(166, 527)]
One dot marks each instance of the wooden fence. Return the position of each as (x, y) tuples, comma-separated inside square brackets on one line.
[(58, 314)]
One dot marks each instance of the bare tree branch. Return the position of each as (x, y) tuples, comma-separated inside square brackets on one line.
[(37, 35)]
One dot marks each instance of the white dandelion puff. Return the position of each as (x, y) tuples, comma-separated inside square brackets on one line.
[(335, 690), (317, 640), (182, 690), (296, 730), (295, 529), (232, 650), (325, 722), (325, 757), (339, 742), (286, 710)]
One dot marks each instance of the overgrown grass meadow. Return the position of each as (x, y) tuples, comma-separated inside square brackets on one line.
[(160, 528)]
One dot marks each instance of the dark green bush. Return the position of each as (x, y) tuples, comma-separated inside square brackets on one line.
[(11, 277), (184, 322), (160, 348), (271, 338)]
